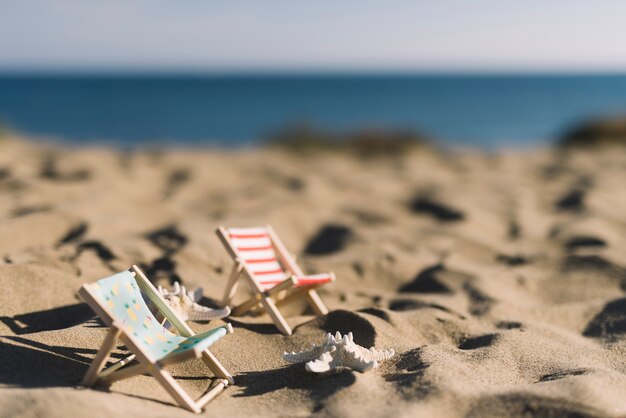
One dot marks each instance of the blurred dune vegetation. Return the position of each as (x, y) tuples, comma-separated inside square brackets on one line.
[(601, 131), (365, 142), (371, 142)]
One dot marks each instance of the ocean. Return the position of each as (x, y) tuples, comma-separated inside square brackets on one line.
[(485, 111)]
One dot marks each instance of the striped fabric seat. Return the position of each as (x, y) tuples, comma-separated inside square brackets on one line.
[(253, 247), (271, 273), (308, 280)]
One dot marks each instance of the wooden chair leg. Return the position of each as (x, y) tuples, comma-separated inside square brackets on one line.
[(216, 367), (174, 389), (316, 302), (245, 306), (253, 302), (125, 373), (101, 357), (283, 286), (293, 295), (276, 316), (233, 283), (121, 363), (211, 394)]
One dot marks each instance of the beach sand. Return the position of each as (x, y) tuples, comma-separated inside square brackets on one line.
[(497, 278)]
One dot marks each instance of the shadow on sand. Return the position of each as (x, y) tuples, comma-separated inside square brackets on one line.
[(294, 376), (27, 363), (49, 319)]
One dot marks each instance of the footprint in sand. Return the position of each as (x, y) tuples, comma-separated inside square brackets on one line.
[(400, 305), (572, 201), (509, 325), (345, 322), (564, 374), (74, 234), (175, 180), (102, 251), (162, 267), (50, 171), (422, 204), (610, 323), (169, 239), (329, 239), (573, 263), (29, 210), (5, 173), (577, 242), (410, 369), (474, 343), (435, 279), (518, 404), (377, 312), (513, 260), (368, 218)]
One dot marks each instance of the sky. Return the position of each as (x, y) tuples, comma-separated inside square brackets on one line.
[(320, 35)]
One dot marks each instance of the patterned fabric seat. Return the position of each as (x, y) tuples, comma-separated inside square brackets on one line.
[(121, 295)]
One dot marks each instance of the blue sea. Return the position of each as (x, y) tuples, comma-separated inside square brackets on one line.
[(486, 111)]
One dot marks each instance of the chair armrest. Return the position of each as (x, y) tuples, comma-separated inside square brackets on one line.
[(286, 284)]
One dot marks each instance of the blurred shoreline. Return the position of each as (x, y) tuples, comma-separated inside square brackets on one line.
[(242, 110)]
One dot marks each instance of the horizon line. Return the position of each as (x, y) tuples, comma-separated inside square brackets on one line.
[(262, 71)]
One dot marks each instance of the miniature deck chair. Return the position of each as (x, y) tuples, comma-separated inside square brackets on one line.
[(118, 301), (271, 272)]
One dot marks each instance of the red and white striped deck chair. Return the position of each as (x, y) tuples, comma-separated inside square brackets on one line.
[(271, 272)]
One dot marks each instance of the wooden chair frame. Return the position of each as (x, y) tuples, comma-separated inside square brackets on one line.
[(279, 294), (145, 363)]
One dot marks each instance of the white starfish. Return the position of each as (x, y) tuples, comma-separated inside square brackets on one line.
[(337, 352), (184, 303), (315, 351), (177, 290)]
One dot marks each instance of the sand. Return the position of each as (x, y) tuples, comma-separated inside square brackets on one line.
[(497, 278)]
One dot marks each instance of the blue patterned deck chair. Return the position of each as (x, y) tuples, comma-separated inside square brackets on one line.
[(118, 301)]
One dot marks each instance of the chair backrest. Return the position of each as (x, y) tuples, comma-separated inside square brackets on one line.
[(255, 248), (121, 297)]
